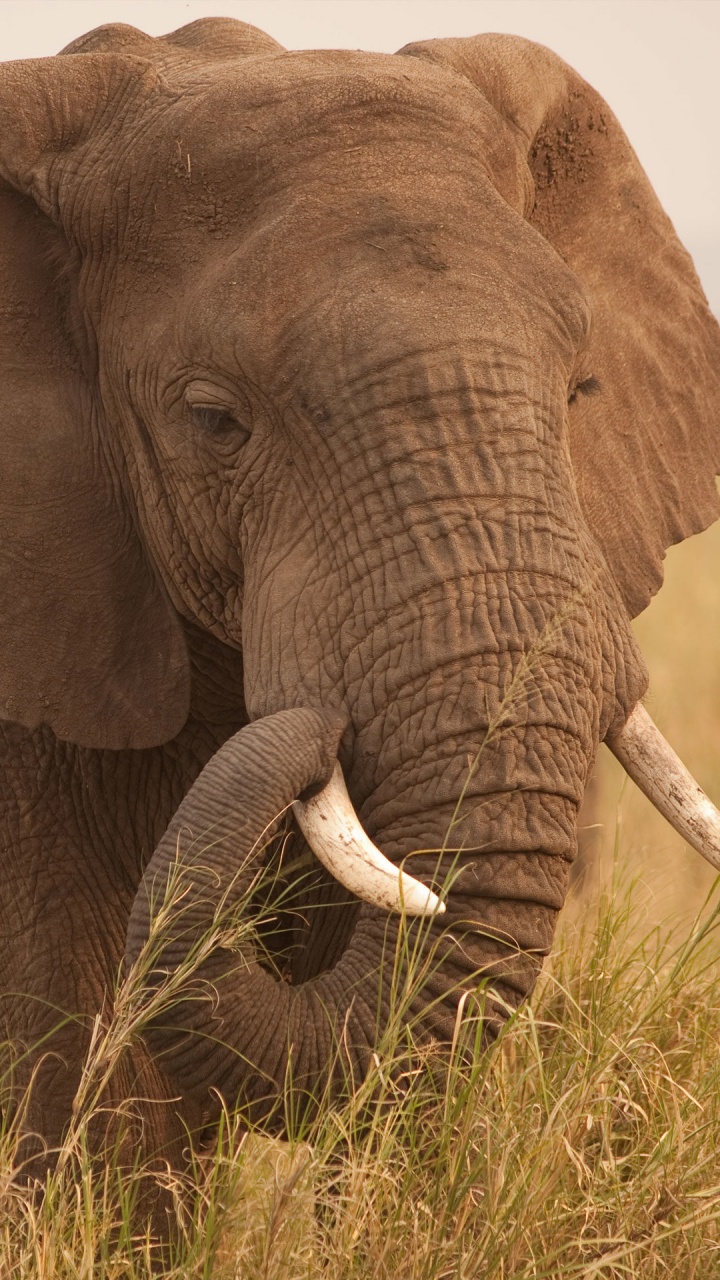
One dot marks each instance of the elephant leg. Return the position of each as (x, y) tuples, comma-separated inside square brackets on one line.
[(68, 884)]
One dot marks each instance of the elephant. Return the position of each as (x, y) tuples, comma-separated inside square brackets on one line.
[(353, 401)]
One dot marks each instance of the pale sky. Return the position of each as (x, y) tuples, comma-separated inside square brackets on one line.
[(657, 62)]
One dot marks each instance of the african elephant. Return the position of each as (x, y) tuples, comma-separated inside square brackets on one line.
[(351, 402)]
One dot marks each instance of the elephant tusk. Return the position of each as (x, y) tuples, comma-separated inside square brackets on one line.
[(333, 831), (661, 775)]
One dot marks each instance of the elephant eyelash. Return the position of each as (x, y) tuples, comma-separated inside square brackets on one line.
[(588, 387), (214, 420)]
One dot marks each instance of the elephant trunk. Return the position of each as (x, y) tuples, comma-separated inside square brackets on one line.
[(204, 869), (446, 605), (238, 1032)]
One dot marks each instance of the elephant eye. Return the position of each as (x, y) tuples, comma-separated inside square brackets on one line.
[(216, 420), (587, 387)]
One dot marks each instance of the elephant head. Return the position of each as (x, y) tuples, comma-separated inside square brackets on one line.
[(390, 372)]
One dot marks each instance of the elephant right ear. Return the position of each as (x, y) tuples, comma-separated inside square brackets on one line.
[(89, 644), (646, 450)]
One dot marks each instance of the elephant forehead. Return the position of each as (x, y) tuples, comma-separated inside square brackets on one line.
[(348, 185), (340, 284), (314, 90), (251, 124)]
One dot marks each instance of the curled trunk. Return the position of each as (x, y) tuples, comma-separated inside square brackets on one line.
[(237, 1030)]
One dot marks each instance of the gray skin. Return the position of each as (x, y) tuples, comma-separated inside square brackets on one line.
[(294, 349)]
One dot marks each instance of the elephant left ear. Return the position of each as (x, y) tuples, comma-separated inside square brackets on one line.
[(89, 642), (646, 450)]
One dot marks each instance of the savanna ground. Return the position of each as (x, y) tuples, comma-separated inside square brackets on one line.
[(583, 1144)]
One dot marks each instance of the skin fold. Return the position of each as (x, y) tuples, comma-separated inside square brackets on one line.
[(303, 461)]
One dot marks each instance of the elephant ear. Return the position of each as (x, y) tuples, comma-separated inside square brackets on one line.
[(647, 449), (89, 642)]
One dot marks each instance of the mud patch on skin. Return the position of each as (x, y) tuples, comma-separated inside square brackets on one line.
[(563, 150)]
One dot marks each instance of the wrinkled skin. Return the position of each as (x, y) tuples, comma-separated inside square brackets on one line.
[(297, 348)]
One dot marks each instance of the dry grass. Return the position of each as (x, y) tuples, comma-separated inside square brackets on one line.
[(584, 1144)]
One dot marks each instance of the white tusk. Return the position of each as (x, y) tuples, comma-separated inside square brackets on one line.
[(332, 829), (662, 777)]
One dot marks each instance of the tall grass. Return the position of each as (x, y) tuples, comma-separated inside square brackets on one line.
[(583, 1143)]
